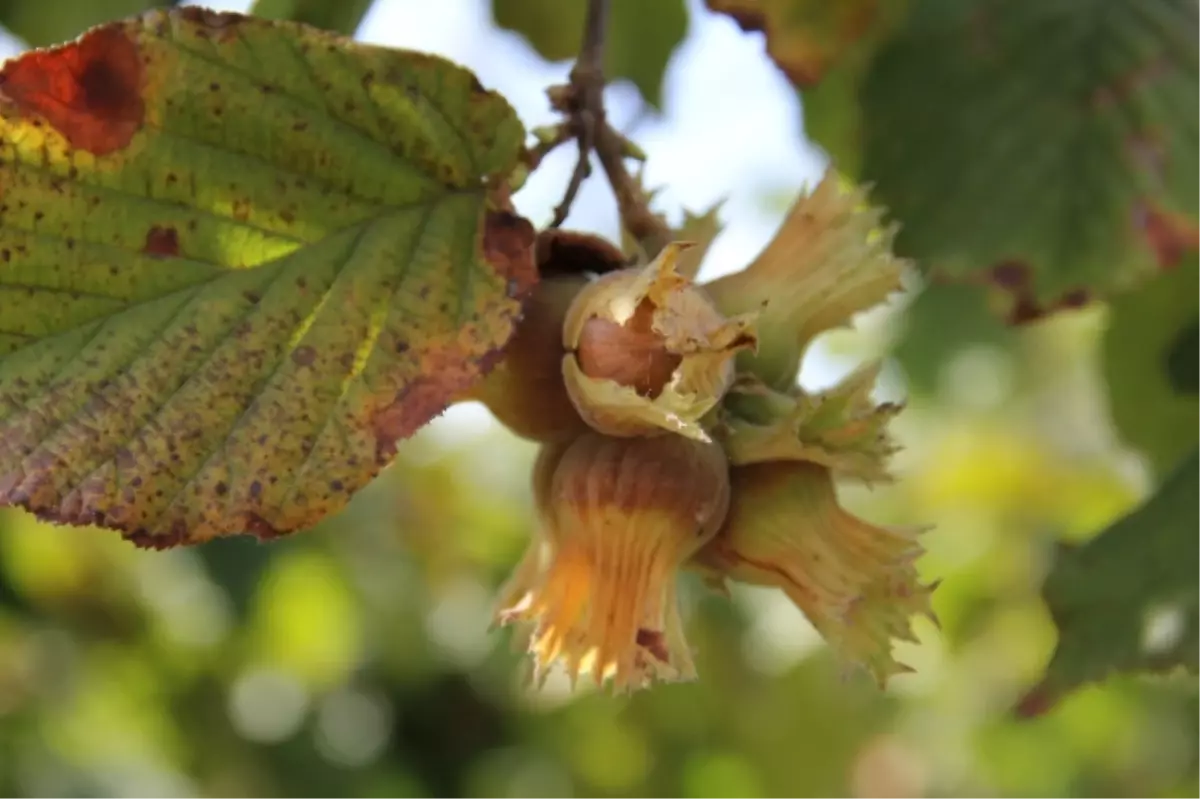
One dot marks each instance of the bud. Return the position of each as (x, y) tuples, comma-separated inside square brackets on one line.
[(854, 581), (841, 428), (620, 517), (525, 391), (830, 259), (648, 352)]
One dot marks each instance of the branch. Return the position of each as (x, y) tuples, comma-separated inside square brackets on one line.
[(582, 100)]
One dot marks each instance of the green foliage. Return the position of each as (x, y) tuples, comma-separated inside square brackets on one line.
[(1040, 134), (1148, 330), (300, 264), (1128, 600), (231, 279), (641, 36), (42, 24), (342, 17)]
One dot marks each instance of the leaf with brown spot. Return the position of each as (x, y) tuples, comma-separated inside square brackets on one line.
[(1060, 135), (241, 259), (162, 241)]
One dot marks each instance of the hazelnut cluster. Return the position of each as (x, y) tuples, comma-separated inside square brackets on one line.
[(674, 437)]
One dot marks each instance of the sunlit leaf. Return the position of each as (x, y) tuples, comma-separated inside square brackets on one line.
[(1144, 327), (640, 37), (239, 260), (1127, 600), (1050, 146)]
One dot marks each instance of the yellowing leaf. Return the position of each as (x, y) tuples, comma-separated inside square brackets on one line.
[(804, 37), (239, 260)]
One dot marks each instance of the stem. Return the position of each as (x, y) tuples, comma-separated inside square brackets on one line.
[(583, 101)]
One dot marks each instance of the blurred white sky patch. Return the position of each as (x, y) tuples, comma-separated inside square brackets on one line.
[(780, 635), (9, 45)]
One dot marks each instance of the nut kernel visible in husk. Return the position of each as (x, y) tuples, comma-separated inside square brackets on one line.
[(649, 352), (620, 517), (525, 391), (856, 582)]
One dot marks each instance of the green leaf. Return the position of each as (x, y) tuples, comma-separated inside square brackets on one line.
[(342, 16), (239, 260), (1127, 600), (41, 23), (1144, 329), (1054, 139), (640, 37)]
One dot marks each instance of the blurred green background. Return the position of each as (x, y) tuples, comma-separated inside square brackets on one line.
[(356, 660)]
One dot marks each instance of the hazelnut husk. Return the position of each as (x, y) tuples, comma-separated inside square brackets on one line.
[(525, 391), (648, 352), (856, 582), (621, 515)]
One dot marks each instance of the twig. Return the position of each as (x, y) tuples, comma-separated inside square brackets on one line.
[(549, 139), (582, 100)]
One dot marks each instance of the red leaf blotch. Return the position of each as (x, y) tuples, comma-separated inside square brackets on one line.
[(90, 90), (162, 241)]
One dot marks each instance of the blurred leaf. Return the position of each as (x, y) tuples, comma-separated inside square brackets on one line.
[(227, 286), (1183, 357), (824, 49), (944, 319), (804, 37), (304, 619), (45, 23), (237, 565), (1127, 600), (1055, 140), (833, 118), (1144, 327), (342, 16), (640, 39)]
